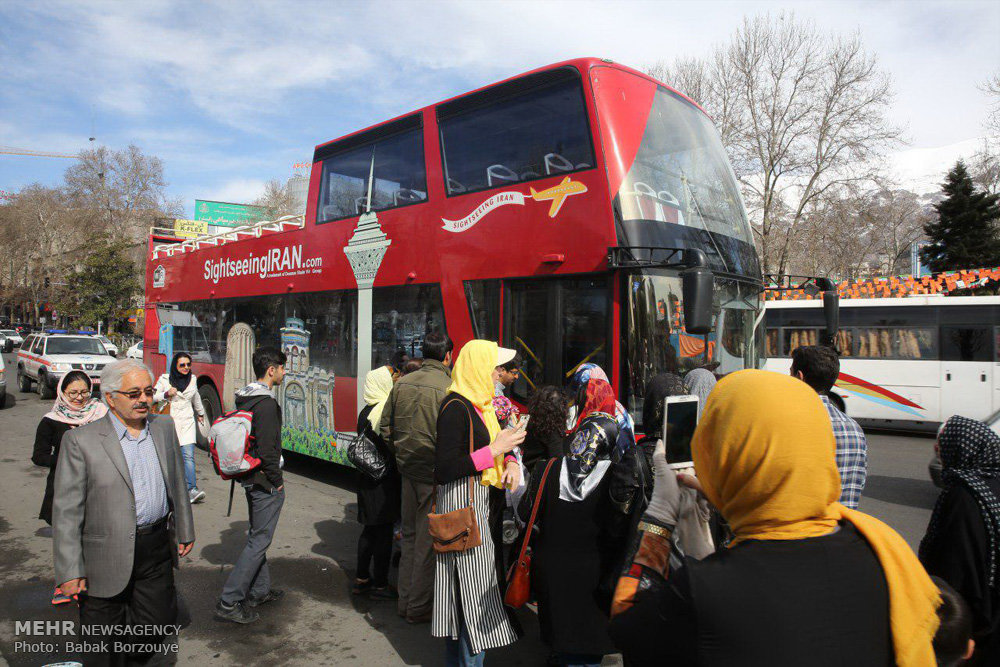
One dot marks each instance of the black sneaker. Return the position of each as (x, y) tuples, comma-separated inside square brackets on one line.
[(273, 595), (237, 613)]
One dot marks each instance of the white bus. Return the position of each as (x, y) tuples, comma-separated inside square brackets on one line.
[(905, 362)]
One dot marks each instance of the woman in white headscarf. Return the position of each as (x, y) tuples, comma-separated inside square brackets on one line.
[(378, 501)]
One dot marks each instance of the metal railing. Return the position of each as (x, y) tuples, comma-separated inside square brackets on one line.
[(172, 244)]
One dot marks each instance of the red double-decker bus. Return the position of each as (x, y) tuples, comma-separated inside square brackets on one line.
[(555, 211)]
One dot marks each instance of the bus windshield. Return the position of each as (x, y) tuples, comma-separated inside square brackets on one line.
[(681, 179), (655, 341)]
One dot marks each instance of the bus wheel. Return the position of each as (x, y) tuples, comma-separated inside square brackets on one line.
[(213, 409)]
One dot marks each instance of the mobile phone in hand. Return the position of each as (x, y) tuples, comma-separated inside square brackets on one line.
[(680, 417)]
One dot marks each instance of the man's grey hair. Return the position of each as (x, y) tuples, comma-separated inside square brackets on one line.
[(115, 372)]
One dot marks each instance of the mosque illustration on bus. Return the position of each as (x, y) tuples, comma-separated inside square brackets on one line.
[(305, 396)]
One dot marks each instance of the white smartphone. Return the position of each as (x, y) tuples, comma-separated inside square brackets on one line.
[(680, 417)]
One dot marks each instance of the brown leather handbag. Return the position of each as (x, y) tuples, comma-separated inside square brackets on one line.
[(518, 590), (458, 530)]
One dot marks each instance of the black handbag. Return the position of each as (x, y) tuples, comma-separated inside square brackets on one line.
[(364, 454)]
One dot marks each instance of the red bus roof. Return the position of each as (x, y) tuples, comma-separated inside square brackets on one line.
[(583, 65)]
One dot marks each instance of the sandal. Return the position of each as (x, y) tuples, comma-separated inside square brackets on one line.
[(58, 597)]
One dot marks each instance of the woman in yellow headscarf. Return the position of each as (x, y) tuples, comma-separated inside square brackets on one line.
[(805, 582), (478, 469)]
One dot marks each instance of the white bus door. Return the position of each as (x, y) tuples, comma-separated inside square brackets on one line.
[(966, 371)]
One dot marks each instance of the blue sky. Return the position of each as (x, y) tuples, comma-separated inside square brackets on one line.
[(230, 94)]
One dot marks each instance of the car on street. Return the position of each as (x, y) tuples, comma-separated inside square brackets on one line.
[(934, 467), (45, 357), (12, 336), (135, 352), (108, 345)]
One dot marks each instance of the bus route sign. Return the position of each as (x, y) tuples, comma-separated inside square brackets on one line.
[(225, 214)]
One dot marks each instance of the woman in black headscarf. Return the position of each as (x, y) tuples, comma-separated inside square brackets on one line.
[(962, 544), (178, 389)]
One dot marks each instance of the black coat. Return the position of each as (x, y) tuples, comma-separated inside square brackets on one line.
[(820, 601), (537, 448), (378, 502), (960, 556), (48, 437), (576, 552)]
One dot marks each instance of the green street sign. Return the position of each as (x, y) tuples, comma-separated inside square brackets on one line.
[(224, 214)]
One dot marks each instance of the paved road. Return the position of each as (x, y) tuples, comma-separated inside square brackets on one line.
[(312, 558)]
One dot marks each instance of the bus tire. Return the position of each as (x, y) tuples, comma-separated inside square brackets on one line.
[(213, 408)]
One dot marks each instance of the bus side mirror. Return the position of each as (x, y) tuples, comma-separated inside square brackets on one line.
[(831, 311), (696, 288)]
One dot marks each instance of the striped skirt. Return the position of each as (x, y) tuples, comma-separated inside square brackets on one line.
[(469, 578)]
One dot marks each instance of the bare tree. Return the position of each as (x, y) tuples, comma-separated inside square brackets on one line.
[(123, 189), (896, 219), (276, 200), (44, 237), (801, 113), (992, 89)]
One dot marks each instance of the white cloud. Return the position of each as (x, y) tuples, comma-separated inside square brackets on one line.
[(236, 191)]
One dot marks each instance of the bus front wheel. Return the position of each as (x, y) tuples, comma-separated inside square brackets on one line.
[(213, 409)]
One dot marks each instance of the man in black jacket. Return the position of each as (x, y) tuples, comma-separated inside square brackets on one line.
[(249, 584)]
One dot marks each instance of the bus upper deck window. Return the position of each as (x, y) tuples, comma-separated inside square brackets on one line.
[(395, 151), (527, 129)]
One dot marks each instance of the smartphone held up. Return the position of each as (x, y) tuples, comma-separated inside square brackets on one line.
[(680, 417)]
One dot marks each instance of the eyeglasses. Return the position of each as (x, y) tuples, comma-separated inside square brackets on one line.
[(78, 394), (135, 393), (183, 365)]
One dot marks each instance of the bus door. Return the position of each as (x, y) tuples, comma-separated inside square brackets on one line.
[(967, 369), (556, 325)]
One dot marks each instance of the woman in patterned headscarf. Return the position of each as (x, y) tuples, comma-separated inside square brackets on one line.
[(626, 428), (577, 547), (962, 545)]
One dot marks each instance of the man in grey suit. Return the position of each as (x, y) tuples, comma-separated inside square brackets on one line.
[(118, 480)]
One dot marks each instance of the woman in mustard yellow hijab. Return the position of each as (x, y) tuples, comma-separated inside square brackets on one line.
[(468, 611), (805, 582)]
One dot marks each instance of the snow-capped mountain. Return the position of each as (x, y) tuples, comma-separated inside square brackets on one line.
[(923, 170)]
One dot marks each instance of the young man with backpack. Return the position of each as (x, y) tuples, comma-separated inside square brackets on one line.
[(249, 584)]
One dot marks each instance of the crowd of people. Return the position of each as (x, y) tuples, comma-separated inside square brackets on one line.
[(752, 553)]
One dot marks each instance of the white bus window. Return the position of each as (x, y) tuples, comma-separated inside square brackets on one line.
[(799, 337), (773, 347), (845, 342), (965, 343)]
